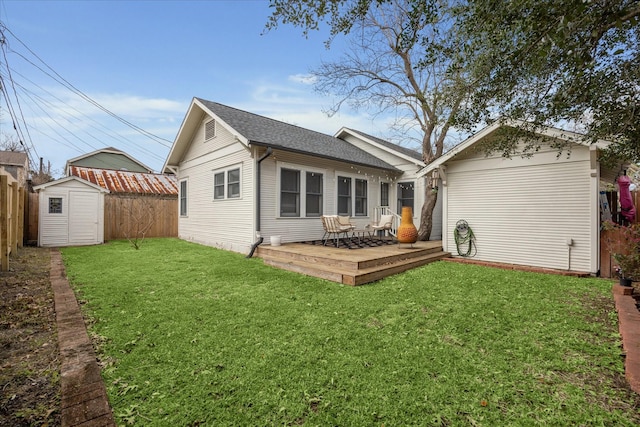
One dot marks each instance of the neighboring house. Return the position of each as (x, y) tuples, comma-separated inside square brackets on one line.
[(541, 211), (242, 176), (108, 158), (16, 164), (71, 213)]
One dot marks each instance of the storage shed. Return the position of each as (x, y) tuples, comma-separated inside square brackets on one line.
[(71, 213)]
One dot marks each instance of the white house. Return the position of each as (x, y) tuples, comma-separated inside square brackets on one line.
[(541, 211), (71, 213), (242, 176)]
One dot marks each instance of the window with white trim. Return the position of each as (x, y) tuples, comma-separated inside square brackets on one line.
[(183, 197), (361, 197), (384, 194), (226, 184), (353, 196), (405, 195), (313, 195), (55, 205), (301, 192), (209, 130), (289, 193), (344, 195)]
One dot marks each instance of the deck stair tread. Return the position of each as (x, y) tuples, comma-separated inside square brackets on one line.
[(350, 267)]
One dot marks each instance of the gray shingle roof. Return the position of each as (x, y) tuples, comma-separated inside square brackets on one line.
[(408, 151), (260, 130)]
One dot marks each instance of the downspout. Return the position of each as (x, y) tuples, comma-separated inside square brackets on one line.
[(258, 183)]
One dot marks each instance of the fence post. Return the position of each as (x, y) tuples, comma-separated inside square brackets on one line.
[(4, 222), (15, 217)]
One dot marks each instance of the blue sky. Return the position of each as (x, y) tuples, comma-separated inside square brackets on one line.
[(144, 61)]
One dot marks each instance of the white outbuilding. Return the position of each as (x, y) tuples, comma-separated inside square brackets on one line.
[(540, 211), (71, 213)]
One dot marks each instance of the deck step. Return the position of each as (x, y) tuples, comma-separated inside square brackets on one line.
[(352, 273)]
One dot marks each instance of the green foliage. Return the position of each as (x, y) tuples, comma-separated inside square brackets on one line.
[(201, 336), (554, 62), (557, 61)]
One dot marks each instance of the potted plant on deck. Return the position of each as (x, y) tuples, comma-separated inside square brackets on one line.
[(623, 243)]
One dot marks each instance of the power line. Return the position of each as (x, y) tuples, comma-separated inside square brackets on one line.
[(58, 78)]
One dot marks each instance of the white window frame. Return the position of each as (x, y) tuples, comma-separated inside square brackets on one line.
[(225, 173), (50, 199), (182, 196), (399, 200), (354, 177), (303, 170)]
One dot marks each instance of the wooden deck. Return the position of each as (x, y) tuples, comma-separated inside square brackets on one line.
[(351, 266)]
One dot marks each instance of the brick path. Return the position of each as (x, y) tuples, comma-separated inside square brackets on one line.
[(629, 326), (84, 397)]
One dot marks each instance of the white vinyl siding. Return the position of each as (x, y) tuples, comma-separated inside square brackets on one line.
[(227, 223), (523, 212)]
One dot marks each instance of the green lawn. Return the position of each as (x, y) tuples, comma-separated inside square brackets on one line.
[(192, 335)]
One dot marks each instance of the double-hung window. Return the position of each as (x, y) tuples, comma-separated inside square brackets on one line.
[(183, 197), (344, 195), (301, 192), (384, 194), (226, 184), (289, 192), (405, 195), (314, 194), (353, 196), (361, 197)]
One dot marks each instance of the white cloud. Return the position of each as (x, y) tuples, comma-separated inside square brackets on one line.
[(306, 79)]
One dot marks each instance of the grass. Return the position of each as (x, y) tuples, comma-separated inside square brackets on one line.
[(192, 335)]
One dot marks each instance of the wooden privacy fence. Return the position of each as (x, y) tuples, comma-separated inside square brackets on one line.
[(126, 215), (606, 260), (12, 202)]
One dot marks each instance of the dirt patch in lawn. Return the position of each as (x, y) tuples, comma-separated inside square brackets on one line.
[(29, 363)]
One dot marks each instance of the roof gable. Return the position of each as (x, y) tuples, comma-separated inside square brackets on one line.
[(253, 129), (480, 136), (108, 158), (68, 179), (14, 158), (396, 149)]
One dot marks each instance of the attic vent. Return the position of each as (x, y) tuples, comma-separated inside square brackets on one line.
[(210, 129)]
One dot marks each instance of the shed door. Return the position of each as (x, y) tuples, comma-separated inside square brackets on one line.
[(83, 217)]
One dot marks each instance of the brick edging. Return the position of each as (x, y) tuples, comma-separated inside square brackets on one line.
[(629, 327), (84, 397)]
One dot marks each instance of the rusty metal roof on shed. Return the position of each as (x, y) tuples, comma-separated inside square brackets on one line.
[(120, 181)]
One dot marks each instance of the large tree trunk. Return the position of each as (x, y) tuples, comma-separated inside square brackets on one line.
[(426, 214)]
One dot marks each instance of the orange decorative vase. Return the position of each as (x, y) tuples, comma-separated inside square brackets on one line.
[(407, 232)]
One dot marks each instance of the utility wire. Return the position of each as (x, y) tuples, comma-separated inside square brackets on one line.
[(4, 54), (57, 77)]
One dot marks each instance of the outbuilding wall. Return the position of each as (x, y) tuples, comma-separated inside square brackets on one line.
[(535, 211)]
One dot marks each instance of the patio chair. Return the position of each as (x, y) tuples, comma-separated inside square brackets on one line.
[(333, 229), (385, 224)]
